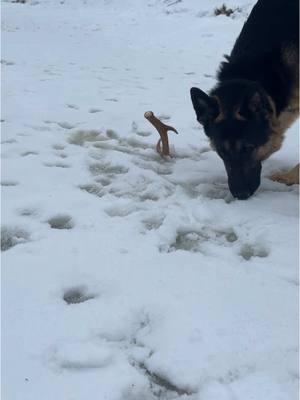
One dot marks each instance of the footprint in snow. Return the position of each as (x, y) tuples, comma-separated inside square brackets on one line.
[(78, 294), (9, 183), (164, 117), (192, 240), (103, 181), (81, 356), (12, 236), (144, 133), (150, 164), (94, 110), (8, 141), (249, 251), (61, 124), (58, 146), (65, 125), (216, 192), (28, 212), (92, 188), (56, 164), (29, 153), (134, 128), (73, 106), (123, 210), (61, 155), (81, 136), (153, 223), (61, 221), (107, 168), (6, 62)]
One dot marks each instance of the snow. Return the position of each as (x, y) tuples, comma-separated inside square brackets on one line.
[(126, 276)]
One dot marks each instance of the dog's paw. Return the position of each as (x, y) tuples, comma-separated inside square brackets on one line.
[(289, 178)]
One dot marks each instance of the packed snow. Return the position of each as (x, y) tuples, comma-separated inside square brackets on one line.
[(126, 276)]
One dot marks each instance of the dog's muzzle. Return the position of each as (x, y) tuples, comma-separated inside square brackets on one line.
[(243, 181)]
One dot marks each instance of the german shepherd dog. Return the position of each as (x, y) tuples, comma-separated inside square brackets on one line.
[(255, 100)]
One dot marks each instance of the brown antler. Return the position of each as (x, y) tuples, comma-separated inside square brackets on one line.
[(163, 132)]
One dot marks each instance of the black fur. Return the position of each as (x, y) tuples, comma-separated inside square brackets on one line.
[(256, 55), (255, 86)]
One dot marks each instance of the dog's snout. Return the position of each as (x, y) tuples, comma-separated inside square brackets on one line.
[(244, 195), (242, 181), (242, 190)]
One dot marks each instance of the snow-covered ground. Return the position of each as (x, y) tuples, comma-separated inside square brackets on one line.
[(126, 276)]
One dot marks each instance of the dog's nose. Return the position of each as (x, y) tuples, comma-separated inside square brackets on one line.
[(244, 195)]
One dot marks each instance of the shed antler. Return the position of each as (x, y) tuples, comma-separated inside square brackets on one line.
[(162, 146)]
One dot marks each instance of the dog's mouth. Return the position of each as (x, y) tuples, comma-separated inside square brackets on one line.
[(242, 180)]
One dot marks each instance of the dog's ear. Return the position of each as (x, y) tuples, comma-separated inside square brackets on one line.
[(206, 107)]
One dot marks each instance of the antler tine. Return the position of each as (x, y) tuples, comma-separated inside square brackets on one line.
[(163, 132)]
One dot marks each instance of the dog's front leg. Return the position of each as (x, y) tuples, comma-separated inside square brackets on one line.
[(289, 178)]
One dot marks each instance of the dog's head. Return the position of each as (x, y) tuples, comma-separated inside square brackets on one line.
[(237, 118)]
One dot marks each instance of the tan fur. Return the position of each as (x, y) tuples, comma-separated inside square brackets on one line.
[(221, 116), (290, 57), (289, 178), (286, 118)]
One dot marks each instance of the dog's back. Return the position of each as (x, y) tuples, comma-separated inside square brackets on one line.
[(267, 51), (271, 25)]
